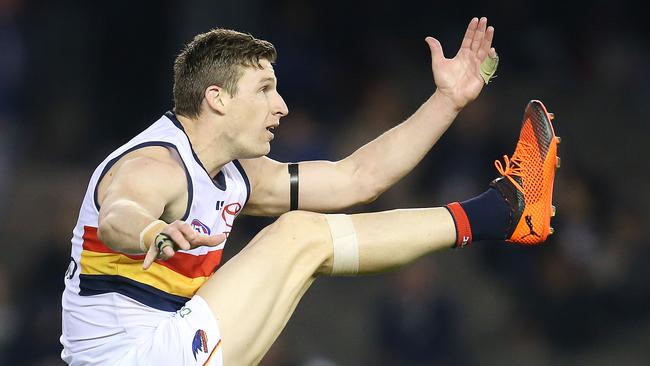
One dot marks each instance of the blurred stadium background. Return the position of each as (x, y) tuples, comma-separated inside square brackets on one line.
[(79, 78)]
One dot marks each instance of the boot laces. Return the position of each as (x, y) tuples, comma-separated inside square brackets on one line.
[(514, 167)]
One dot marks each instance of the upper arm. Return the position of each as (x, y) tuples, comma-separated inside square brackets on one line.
[(150, 182), (323, 186)]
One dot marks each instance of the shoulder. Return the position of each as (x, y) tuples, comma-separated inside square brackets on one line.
[(152, 168), (152, 160)]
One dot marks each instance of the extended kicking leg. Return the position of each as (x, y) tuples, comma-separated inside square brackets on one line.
[(254, 294)]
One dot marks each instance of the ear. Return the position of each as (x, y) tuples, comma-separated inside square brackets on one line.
[(217, 98)]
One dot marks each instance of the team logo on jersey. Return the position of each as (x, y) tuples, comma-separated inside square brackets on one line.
[(200, 342), (200, 227)]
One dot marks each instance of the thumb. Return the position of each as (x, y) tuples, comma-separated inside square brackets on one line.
[(436, 49)]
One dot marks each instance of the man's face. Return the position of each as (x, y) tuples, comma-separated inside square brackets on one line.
[(255, 111)]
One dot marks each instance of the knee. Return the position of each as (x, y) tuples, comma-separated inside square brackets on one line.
[(304, 233), (303, 226)]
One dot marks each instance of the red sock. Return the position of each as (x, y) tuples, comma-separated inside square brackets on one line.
[(463, 229)]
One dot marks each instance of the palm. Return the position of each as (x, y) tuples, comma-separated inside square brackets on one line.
[(459, 78)]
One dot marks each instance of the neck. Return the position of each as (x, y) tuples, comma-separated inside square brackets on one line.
[(207, 141)]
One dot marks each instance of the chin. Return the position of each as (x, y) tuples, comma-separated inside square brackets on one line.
[(267, 149), (258, 151)]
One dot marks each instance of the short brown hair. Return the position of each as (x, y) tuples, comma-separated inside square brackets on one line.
[(215, 58)]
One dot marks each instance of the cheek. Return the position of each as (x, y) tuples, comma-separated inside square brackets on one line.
[(258, 113), (255, 107), (252, 116)]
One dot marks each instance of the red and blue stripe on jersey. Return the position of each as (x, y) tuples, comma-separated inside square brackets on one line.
[(166, 285)]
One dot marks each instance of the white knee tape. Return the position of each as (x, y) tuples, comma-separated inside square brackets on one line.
[(346, 246)]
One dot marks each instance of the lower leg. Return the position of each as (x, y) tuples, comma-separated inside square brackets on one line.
[(392, 239)]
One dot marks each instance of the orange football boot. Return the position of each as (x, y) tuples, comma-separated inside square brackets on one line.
[(526, 180)]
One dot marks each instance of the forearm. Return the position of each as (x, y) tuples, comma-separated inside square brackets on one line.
[(385, 160), (120, 226)]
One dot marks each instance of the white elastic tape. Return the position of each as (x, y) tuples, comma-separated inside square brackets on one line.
[(145, 231), (346, 246)]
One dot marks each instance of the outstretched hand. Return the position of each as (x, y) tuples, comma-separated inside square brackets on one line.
[(184, 237), (459, 78)]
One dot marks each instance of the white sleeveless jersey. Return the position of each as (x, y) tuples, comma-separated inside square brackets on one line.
[(107, 292)]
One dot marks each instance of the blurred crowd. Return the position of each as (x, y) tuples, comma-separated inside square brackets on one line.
[(78, 79)]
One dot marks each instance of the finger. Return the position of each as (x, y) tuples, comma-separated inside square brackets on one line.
[(479, 34), (149, 258), (208, 240), (486, 44), (167, 252), (469, 33), (179, 239), (492, 53), (435, 47), (188, 233)]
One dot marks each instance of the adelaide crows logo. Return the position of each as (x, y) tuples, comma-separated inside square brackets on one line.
[(200, 227), (200, 342)]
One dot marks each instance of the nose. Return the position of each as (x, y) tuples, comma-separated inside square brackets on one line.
[(280, 107)]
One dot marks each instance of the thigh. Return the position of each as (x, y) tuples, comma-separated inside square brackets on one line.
[(254, 294), (189, 337)]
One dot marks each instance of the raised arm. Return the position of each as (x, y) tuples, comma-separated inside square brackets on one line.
[(373, 168)]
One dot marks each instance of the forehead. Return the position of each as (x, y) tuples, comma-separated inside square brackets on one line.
[(253, 74)]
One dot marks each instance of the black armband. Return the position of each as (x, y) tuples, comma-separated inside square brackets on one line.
[(293, 186)]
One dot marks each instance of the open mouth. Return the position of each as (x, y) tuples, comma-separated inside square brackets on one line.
[(271, 129)]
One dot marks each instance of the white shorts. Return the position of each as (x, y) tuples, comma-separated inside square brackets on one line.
[(188, 337)]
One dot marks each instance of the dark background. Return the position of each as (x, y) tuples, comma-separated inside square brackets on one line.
[(78, 78)]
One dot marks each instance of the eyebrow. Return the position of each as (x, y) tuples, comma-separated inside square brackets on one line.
[(267, 79)]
